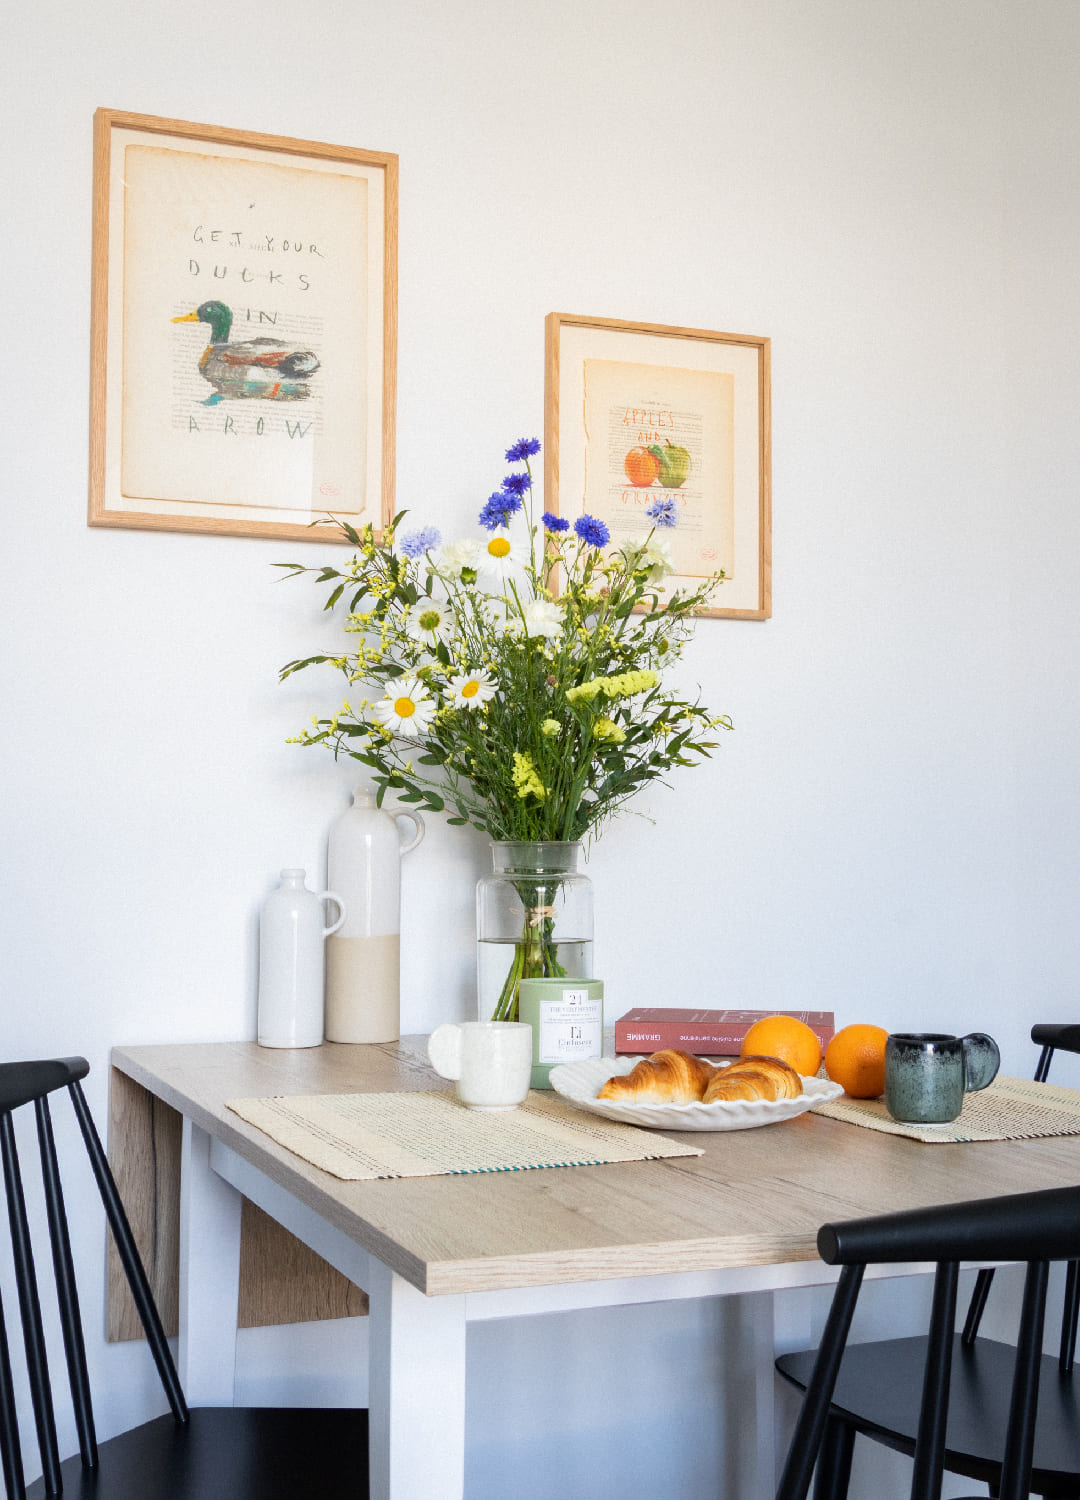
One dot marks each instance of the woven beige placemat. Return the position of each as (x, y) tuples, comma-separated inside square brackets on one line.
[(366, 1136), (1011, 1109)]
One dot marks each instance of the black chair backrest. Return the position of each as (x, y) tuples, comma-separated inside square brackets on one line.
[(1049, 1038), (1035, 1228), (26, 1083)]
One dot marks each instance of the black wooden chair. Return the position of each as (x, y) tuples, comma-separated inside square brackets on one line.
[(879, 1388), (976, 1409), (1050, 1039), (219, 1453)]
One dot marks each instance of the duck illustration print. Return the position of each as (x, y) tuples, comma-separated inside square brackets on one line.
[(264, 368), (244, 330)]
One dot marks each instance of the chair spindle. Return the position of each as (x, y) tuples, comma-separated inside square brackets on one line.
[(1043, 1068), (37, 1364), (933, 1413), (10, 1446), (1020, 1437), (810, 1428), (66, 1290), (129, 1255)]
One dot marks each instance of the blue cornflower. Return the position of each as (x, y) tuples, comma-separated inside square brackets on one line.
[(522, 449), (663, 511), (498, 509), (555, 523), (590, 530), (517, 484), (415, 543)]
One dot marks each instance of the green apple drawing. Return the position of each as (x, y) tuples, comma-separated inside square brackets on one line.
[(674, 465)]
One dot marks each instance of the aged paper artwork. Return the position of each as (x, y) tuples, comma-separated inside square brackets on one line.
[(644, 419), (243, 330), (655, 430)]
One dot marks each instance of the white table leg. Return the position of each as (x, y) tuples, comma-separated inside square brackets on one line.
[(416, 1391), (209, 1275)]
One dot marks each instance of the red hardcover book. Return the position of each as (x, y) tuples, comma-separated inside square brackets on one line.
[(706, 1033)]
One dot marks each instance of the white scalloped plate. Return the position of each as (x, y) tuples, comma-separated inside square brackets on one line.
[(579, 1082)]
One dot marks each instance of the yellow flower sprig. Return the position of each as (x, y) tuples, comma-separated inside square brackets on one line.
[(525, 779), (622, 685)]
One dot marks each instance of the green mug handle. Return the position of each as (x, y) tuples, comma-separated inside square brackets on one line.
[(981, 1061)]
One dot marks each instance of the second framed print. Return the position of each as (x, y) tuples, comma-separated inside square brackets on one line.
[(243, 330), (641, 413)]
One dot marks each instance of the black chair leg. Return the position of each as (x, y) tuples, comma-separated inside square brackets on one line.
[(834, 1463)]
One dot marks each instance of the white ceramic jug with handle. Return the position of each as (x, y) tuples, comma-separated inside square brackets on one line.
[(363, 862), (292, 933)]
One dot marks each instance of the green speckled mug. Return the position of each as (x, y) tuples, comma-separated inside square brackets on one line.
[(928, 1073)]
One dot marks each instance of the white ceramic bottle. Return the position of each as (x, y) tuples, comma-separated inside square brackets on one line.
[(292, 933), (363, 1002)]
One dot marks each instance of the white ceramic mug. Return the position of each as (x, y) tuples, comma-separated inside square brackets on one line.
[(490, 1061)]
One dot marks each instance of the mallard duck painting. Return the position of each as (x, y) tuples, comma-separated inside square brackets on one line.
[(263, 368)]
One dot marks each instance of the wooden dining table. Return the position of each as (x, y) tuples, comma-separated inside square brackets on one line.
[(436, 1253)]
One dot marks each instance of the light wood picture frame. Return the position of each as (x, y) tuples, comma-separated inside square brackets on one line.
[(637, 413), (243, 331)]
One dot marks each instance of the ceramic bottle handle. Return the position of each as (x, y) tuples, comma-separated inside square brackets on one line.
[(418, 829), (342, 912)]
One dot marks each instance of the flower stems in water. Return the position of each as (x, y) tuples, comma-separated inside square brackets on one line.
[(535, 957)]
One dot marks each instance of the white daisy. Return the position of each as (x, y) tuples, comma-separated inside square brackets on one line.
[(407, 708), (653, 552), (471, 689), (429, 621), (543, 618), (454, 557), (500, 559)]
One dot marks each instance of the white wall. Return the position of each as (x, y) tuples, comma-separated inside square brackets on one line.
[(888, 191)]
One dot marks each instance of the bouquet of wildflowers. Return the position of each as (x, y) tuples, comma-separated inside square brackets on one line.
[(508, 677), (513, 679)]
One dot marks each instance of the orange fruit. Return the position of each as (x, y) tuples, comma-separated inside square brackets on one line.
[(855, 1058), (787, 1038), (641, 467)]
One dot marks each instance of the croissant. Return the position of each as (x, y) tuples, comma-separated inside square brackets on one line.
[(742, 1084), (754, 1078), (668, 1077)]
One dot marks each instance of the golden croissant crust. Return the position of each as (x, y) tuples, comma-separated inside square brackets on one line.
[(754, 1078), (667, 1077)]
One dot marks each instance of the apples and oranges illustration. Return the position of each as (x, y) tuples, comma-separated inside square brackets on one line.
[(669, 464)]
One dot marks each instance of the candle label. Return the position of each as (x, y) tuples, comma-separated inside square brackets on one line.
[(571, 1027)]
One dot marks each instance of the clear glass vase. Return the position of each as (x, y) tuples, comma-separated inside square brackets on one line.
[(534, 920)]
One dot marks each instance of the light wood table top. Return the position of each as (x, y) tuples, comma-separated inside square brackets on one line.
[(756, 1197)]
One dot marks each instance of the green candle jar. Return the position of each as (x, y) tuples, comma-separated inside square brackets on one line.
[(567, 1020)]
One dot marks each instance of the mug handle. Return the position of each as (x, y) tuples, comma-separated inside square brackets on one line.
[(444, 1050), (336, 899), (981, 1061)]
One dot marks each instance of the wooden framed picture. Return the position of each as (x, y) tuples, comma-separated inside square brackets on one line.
[(641, 413), (243, 330)]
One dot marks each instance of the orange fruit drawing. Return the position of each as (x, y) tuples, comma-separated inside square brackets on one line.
[(855, 1058), (642, 467), (787, 1038)]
